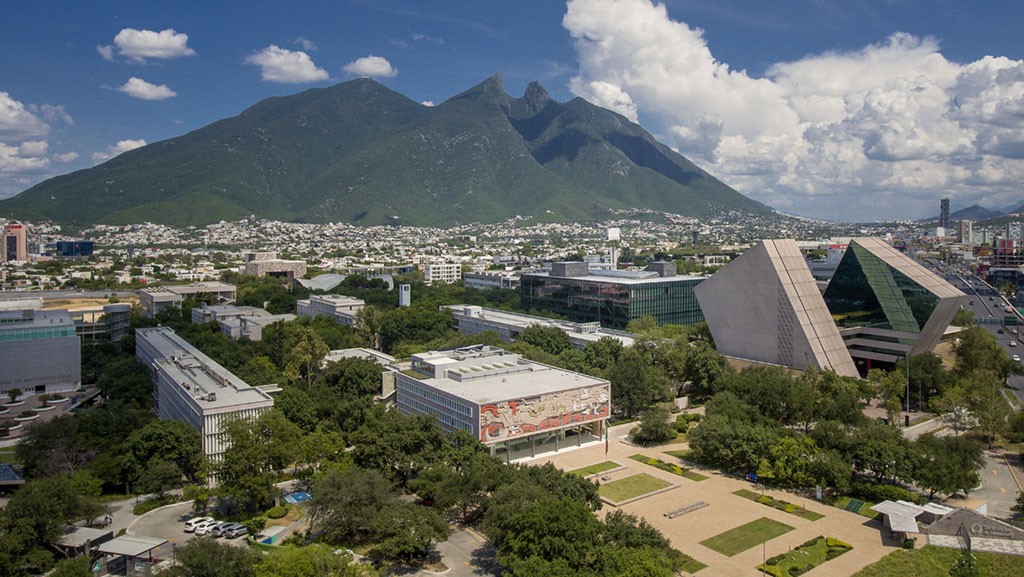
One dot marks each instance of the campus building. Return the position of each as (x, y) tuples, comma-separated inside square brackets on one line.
[(192, 388), (444, 273), (613, 297), (517, 408), (473, 320), (488, 280), (73, 248), (40, 352), (238, 321), (343, 309), (156, 299), (879, 307)]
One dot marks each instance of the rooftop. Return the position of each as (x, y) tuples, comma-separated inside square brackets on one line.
[(625, 277)]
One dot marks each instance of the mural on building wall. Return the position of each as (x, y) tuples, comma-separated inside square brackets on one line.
[(515, 418)]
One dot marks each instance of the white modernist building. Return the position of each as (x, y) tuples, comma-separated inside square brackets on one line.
[(238, 321), (517, 408), (40, 352), (488, 280), (156, 299), (341, 308), (473, 320), (446, 273), (192, 388)]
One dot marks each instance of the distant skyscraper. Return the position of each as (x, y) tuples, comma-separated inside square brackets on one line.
[(694, 237), (966, 232), (944, 213), (15, 242)]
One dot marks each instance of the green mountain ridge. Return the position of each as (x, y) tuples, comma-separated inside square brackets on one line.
[(358, 152)]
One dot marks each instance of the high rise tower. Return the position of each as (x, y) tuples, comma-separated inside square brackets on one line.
[(944, 213)]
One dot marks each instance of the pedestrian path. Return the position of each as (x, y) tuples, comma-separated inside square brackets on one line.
[(1004, 546)]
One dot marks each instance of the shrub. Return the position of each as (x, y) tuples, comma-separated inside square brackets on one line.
[(909, 543), (27, 413), (872, 492), (147, 506), (833, 542), (44, 397), (277, 512)]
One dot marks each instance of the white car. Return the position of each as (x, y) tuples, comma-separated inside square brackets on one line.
[(206, 527), (1013, 343), (191, 524), (1016, 358)]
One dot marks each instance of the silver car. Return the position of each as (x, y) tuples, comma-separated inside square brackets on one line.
[(237, 531), (218, 530)]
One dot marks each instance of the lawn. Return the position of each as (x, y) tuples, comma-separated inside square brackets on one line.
[(8, 457), (780, 505), (633, 486), (805, 557), (595, 468), (930, 561), (692, 565), (669, 467), (857, 506), (746, 536)]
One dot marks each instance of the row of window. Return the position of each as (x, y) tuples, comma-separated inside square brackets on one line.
[(439, 399), (37, 333), (445, 418)]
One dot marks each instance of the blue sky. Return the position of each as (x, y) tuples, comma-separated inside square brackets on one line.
[(842, 110)]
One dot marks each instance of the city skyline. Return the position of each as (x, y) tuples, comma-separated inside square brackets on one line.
[(865, 112)]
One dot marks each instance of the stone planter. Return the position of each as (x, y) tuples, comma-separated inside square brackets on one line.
[(4, 410), (26, 418), (55, 402), (14, 404), (44, 409)]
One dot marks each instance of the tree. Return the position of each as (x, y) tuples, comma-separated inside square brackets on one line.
[(368, 324), (883, 451), (159, 477), (1018, 507), (169, 441), (347, 378), (947, 464), (889, 387), (636, 385), (551, 339), (200, 557), (257, 448), (405, 531), (705, 368), (963, 318), (345, 503), (297, 406), (315, 560), (965, 566), (977, 349), (74, 567), (397, 445), (553, 529), (305, 354), (655, 426), (14, 394)]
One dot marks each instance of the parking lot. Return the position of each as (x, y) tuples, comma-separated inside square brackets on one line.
[(169, 523)]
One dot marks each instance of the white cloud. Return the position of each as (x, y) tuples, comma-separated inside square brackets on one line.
[(112, 151), (371, 67), (879, 132), (306, 43), (138, 45), (286, 66), (14, 162), (23, 144), (17, 121), (66, 157), (139, 88), (106, 51), (427, 103)]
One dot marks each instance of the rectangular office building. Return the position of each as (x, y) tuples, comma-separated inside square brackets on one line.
[(613, 297), (39, 352), (516, 407), (192, 388)]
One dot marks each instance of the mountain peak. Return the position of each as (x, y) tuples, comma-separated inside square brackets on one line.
[(536, 96)]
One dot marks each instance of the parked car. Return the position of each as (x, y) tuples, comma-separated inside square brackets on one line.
[(191, 524), (205, 528), (236, 531), (218, 530), (1016, 358), (1013, 343)]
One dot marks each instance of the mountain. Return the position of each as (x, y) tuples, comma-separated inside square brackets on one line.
[(1015, 209), (358, 152), (974, 212)]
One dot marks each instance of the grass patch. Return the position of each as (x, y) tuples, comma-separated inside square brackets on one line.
[(683, 454), (634, 486), (779, 504), (9, 457), (294, 514), (692, 565), (150, 504), (931, 561), (805, 557), (746, 536), (595, 468), (674, 469), (857, 506)]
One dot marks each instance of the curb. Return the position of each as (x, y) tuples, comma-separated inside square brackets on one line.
[(130, 529)]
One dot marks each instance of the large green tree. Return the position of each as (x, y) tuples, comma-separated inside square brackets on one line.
[(947, 464), (258, 448), (346, 501), (201, 557), (636, 385), (169, 441)]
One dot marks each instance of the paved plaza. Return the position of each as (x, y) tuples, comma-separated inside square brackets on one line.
[(725, 511)]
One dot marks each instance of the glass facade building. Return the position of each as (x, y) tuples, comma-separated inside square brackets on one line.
[(613, 301)]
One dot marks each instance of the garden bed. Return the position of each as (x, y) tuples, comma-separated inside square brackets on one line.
[(779, 504), (44, 409), (857, 506), (669, 467), (805, 557)]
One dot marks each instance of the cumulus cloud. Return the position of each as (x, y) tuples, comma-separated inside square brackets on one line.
[(427, 103), (139, 45), (66, 157), (139, 88), (878, 132), (371, 67), (23, 145), (286, 66), (120, 147)]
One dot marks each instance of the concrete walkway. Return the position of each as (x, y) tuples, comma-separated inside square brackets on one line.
[(1004, 546)]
